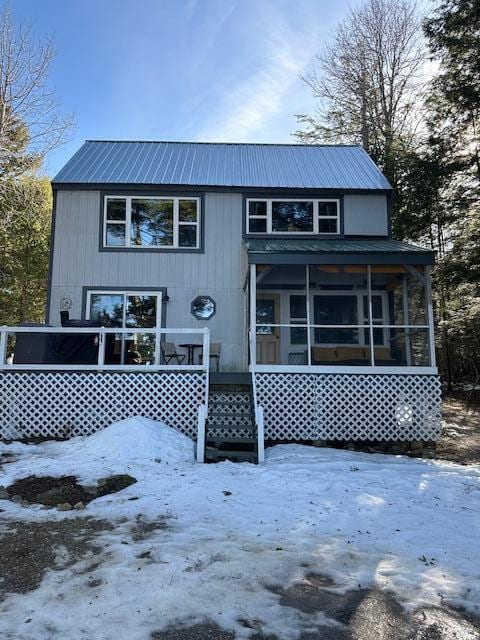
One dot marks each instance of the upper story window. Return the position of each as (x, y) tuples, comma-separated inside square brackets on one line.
[(147, 221), (293, 216)]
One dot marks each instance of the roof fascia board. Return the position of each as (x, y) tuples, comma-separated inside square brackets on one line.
[(252, 191), (414, 258)]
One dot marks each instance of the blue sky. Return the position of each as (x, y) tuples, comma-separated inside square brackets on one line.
[(213, 70)]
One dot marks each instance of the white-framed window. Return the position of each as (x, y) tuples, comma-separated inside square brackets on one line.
[(118, 308), (298, 315), (292, 216), (379, 312), (338, 308), (348, 308), (126, 310), (140, 222)]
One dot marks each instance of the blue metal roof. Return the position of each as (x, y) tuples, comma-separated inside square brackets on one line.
[(222, 165)]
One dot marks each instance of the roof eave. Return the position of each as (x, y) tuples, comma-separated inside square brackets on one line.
[(414, 257), (58, 185)]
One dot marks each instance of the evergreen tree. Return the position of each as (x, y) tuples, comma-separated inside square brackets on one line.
[(453, 34), (454, 38), (25, 205)]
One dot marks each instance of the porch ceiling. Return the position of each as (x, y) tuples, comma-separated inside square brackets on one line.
[(338, 251)]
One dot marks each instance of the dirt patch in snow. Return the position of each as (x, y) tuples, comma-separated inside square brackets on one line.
[(369, 614), (51, 491), (27, 550), (460, 441), (359, 614), (143, 529), (207, 631), (210, 631), (7, 458)]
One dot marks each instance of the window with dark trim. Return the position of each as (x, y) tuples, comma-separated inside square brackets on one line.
[(146, 221), (291, 216), (126, 309)]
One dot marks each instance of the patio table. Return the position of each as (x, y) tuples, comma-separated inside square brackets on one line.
[(190, 347)]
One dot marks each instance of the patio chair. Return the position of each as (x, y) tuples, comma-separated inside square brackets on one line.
[(214, 353), (169, 353)]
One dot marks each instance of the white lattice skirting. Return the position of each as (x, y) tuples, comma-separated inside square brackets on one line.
[(350, 407), (64, 404)]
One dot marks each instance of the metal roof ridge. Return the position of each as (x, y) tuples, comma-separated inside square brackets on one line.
[(243, 144)]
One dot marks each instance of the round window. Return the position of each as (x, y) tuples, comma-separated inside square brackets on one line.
[(203, 307)]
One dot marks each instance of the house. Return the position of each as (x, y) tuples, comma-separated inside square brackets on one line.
[(281, 254)]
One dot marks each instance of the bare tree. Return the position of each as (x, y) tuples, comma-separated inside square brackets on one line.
[(30, 122), (368, 79)]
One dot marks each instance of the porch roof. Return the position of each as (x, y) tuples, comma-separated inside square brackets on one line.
[(338, 251)]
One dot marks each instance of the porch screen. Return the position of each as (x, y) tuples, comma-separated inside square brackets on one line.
[(335, 310), (343, 315)]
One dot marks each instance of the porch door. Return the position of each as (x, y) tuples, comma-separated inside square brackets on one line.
[(127, 309), (268, 338)]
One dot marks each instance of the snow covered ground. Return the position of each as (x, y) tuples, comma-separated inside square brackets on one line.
[(235, 532)]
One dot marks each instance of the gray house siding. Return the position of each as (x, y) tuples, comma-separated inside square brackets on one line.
[(365, 215), (219, 271)]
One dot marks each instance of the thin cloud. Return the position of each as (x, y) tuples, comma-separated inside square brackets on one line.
[(247, 109)]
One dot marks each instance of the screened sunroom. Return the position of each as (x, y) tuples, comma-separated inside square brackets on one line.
[(340, 306)]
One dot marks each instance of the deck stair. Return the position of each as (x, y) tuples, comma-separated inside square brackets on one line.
[(230, 430)]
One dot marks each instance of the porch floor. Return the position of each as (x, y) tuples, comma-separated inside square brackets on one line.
[(221, 377)]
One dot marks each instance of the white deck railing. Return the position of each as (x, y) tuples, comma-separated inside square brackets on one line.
[(257, 408), (101, 332)]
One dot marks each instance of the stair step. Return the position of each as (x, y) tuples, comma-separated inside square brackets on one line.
[(228, 414), (223, 378), (218, 427), (240, 421), (230, 392), (234, 426), (230, 403), (239, 455), (213, 402), (231, 440)]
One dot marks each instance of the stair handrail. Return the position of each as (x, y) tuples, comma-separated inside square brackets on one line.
[(202, 411), (258, 409), (206, 363), (252, 370), (201, 432)]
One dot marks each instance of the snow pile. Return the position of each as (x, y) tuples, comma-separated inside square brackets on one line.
[(138, 446), (138, 438)]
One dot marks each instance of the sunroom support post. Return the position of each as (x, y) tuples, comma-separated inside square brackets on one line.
[(406, 320), (370, 315), (431, 325), (253, 313), (3, 347), (309, 321)]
